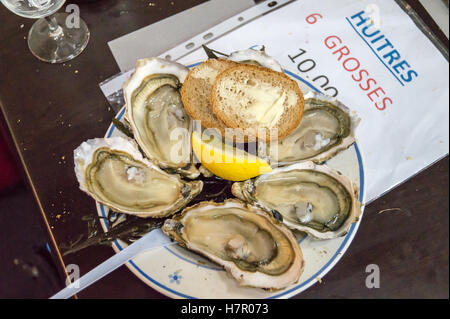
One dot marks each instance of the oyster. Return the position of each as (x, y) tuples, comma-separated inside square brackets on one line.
[(325, 130), (311, 198), (113, 172), (156, 114), (253, 247), (255, 57)]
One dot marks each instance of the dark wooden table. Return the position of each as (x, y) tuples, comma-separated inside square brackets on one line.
[(51, 109)]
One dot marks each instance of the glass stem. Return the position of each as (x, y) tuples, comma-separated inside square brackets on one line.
[(55, 29)]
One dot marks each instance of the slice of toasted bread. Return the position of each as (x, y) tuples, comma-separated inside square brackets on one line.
[(251, 97), (196, 90)]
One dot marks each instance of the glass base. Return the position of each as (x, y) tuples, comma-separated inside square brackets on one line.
[(58, 45)]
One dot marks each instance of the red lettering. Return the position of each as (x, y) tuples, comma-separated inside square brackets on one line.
[(346, 62), (342, 53), (330, 43), (353, 65), (360, 75), (368, 84), (385, 101), (375, 92), (312, 18)]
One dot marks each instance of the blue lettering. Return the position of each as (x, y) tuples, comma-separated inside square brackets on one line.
[(393, 55), (361, 20), (367, 27), (409, 76), (400, 66), (387, 44), (373, 37), (377, 39)]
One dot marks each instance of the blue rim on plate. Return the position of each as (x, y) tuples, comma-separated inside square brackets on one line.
[(305, 284)]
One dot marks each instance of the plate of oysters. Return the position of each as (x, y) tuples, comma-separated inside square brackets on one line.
[(251, 169)]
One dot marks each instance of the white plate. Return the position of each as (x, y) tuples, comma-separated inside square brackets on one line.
[(178, 273)]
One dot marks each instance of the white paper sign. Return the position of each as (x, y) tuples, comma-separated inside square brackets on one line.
[(375, 60)]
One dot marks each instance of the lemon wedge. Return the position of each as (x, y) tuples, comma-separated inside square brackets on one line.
[(227, 161)]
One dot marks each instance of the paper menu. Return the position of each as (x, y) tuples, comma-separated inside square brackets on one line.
[(372, 56)]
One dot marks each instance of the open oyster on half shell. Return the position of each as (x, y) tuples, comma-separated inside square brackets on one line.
[(114, 172), (157, 116), (252, 246), (326, 129), (311, 198), (255, 57)]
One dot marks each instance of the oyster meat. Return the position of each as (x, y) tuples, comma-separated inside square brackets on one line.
[(252, 246), (311, 198), (325, 130), (255, 57), (157, 116), (113, 172)]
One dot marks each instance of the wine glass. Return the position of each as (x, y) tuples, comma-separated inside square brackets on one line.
[(53, 38)]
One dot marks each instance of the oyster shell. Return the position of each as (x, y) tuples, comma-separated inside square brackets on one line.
[(255, 57), (113, 172), (157, 116), (311, 198), (253, 247), (325, 130)]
